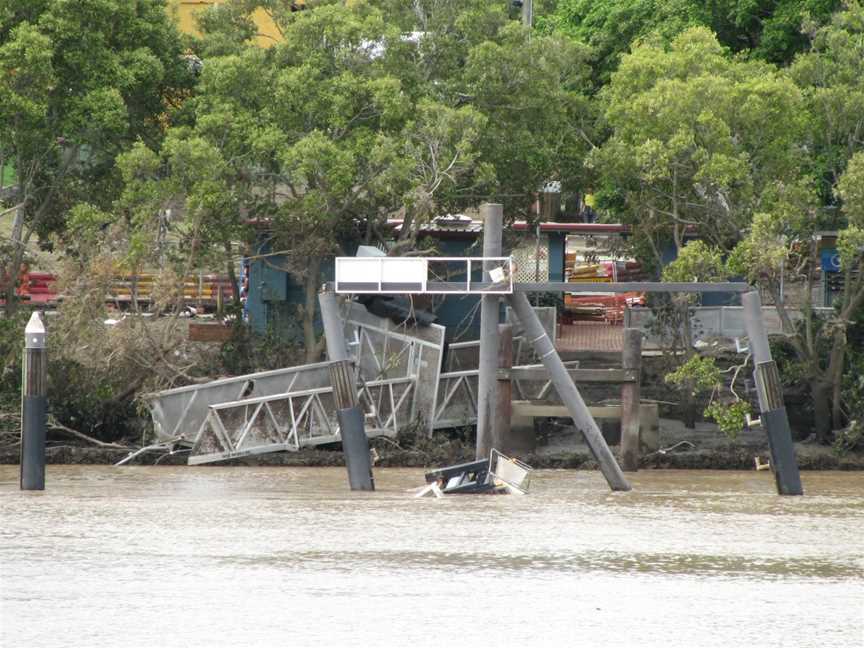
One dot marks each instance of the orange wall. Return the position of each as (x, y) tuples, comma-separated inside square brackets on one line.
[(185, 10)]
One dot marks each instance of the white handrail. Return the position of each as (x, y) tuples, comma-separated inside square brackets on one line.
[(410, 275)]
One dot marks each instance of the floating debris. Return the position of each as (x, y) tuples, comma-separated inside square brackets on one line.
[(499, 474)]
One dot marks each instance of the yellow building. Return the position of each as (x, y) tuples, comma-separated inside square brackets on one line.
[(185, 10)]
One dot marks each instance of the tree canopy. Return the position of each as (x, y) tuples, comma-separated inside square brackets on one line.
[(697, 139), (739, 124), (766, 29), (80, 83)]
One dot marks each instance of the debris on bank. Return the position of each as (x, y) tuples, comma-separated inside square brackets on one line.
[(728, 457)]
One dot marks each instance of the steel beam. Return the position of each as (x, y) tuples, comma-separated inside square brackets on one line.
[(613, 376), (457, 288), (570, 396)]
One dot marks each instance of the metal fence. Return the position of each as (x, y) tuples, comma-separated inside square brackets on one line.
[(709, 322)]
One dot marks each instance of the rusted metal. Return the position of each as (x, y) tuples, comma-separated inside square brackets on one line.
[(631, 360)]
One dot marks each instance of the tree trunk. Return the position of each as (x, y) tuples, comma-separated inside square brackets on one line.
[(690, 403), (232, 275), (310, 287), (835, 376), (14, 267), (407, 226), (821, 391)]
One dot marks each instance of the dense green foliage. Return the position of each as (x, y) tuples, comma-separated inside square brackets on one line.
[(80, 82), (766, 29), (738, 124)]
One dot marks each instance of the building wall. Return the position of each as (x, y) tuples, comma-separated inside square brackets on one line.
[(184, 12), (274, 295)]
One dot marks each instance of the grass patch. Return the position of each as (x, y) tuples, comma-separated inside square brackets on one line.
[(8, 175)]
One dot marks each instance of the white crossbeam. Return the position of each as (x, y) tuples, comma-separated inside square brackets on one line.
[(422, 275)]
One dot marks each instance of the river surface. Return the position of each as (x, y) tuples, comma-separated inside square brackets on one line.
[(178, 556)]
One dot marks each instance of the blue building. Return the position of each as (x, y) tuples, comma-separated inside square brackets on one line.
[(274, 295)]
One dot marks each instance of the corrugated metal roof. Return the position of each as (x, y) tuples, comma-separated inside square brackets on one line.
[(440, 226), (475, 227)]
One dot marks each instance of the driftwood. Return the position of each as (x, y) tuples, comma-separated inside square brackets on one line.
[(54, 425)]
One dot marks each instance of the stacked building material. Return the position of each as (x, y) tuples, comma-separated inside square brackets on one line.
[(205, 291), (599, 306)]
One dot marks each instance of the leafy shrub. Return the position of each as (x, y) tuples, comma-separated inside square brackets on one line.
[(849, 440), (730, 417), (697, 375)]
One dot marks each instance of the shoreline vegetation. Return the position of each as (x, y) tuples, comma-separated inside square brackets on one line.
[(725, 142)]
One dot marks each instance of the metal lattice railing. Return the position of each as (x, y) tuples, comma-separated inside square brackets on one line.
[(296, 419)]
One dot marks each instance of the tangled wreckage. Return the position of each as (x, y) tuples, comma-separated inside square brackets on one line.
[(405, 376)]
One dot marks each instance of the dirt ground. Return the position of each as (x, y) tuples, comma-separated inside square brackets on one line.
[(712, 453)]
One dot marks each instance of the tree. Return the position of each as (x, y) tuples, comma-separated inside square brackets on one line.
[(612, 27), (531, 88), (782, 239), (310, 131), (766, 29), (695, 262), (697, 142), (80, 83), (830, 78), (350, 120), (533, 91)]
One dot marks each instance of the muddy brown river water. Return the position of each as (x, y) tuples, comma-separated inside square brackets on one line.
[(177, 556)]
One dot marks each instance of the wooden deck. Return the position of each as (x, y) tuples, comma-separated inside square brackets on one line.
[(590, 336)]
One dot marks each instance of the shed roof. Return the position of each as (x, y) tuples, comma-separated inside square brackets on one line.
[(473, 228)]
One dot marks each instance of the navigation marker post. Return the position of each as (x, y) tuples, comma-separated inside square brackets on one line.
[(34, 405)]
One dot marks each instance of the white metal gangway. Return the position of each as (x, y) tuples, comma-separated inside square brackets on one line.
[(424, 275)]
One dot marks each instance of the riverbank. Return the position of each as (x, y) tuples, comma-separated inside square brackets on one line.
[(730, 457)]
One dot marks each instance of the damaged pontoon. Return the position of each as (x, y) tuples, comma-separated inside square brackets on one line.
[(499, 474)]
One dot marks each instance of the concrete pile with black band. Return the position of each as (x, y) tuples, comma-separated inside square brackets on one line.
[(775, 421), (352, 428)]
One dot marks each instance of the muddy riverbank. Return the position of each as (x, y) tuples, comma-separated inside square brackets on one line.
[(730, 457)]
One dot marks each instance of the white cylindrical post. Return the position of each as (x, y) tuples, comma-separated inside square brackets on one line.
[(34, 405)]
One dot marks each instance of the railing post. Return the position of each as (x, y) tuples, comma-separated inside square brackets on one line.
[(631, 358)]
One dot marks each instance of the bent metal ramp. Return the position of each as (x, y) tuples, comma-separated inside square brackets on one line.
[(397, 367)]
